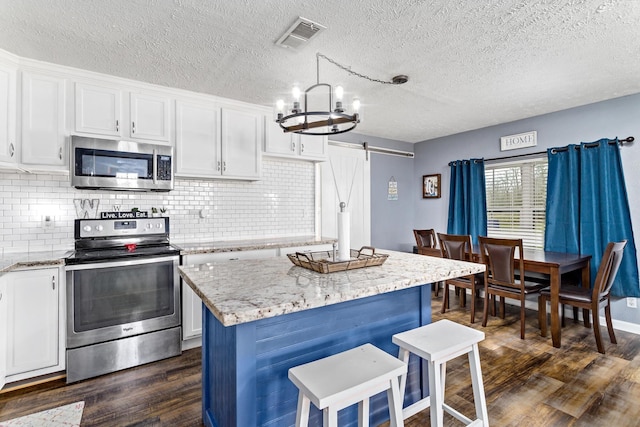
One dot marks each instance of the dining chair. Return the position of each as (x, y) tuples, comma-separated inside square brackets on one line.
[(459, 247), (425, 239), (428, 245), (500, 275), (589, 299)]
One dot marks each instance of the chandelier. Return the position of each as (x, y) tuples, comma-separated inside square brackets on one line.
[(335, 119)]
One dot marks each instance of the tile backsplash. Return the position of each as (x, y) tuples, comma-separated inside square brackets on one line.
[(282, 204)]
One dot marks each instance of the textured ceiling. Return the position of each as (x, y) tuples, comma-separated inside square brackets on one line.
[(471, 63)]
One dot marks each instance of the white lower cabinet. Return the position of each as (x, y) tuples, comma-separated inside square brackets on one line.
[(3, 331), (191, 302), (35, 345)]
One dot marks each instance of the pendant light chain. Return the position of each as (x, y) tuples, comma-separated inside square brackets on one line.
[(348, 70)]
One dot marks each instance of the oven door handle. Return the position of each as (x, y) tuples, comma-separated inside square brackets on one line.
[(128, 262)]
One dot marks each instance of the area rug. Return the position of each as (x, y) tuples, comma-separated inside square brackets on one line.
[(62, 416)]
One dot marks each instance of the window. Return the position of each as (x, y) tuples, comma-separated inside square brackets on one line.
[(516, 200)]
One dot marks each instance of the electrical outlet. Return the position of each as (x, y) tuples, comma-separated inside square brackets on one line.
[(47, 221), (632, 302)]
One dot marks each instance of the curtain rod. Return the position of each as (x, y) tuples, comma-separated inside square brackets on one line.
[(538, 153), (365, 146), (595, 144)]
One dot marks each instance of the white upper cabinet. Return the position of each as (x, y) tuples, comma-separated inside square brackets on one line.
[(277, 142), (43, 120), (218, 143), (292, 145), (242, 135), (198, 151), (41, 105), (99, 112), (313, 147), (150, 117), (8, 146)]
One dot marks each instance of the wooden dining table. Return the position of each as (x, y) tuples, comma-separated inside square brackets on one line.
[(552, 265)]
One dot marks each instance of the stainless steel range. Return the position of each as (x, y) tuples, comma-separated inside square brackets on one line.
[(123, 296)]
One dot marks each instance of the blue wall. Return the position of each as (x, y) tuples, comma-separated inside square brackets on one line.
[(392, 221), (617, 117)]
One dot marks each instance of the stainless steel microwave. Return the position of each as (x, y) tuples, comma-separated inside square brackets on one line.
[(120, 165)]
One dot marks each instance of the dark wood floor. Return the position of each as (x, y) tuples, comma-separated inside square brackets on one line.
[(165, 393), (527, 383)]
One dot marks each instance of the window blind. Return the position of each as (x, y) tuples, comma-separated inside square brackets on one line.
[(516, 200)]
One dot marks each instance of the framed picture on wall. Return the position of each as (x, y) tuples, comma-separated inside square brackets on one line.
[(431, 186)]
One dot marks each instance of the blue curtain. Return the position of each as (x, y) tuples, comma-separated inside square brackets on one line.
[(467, 199), (587, 207)]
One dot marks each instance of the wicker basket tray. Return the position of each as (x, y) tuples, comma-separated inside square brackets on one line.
[(321, 262)]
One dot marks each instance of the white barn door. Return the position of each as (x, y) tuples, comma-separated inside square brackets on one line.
[(351, 185)]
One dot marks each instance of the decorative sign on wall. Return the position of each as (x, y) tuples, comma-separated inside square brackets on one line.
[(86, 208), (124, 215), (431, 186), (393, 189), (520, 140)]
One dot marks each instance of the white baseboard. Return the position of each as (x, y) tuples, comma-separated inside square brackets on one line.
[(190, 343)]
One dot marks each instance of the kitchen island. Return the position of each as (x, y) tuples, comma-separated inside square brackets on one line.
[(262, 317)]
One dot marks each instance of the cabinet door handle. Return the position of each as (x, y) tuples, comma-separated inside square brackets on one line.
[(133, 127), (218, 165), (301, 147), (293, 146), (117, 126), (53, 282), (60, 153), (224, 166), (12, 150)]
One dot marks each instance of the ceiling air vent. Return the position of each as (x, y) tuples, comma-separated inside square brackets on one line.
[(300, 33)]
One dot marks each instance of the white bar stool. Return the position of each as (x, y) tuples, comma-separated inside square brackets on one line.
[(338, 381), (438, 343)]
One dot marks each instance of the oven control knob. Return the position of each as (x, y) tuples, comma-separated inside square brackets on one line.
[(149, 226), (87, 228), (158, 225), (99, 228)]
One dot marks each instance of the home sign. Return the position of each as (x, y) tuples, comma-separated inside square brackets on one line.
[(520, 140)]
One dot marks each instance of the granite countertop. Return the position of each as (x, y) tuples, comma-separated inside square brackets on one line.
[(20, 260), (242, 291), (191, 248)]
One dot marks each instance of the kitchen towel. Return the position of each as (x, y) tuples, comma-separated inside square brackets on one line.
[(344, 245)]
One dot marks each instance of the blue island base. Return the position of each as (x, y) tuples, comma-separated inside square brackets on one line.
[(245, 367)]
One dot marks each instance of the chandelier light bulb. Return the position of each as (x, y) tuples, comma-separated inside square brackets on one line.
[(295, 92), (280, 105), (306, 120)]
